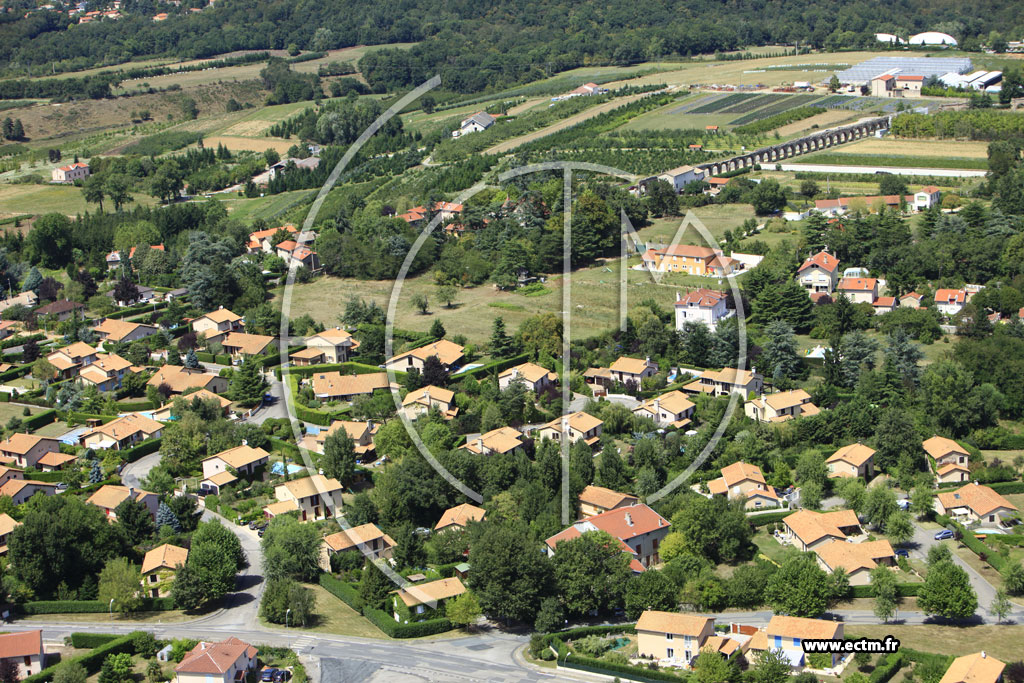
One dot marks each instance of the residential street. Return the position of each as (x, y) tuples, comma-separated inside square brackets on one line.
[(925, 539), (134, 472)]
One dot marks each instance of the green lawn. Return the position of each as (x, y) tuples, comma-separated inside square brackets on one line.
[(267, 208), (768, 546), (334, 616), (1000, 641), (34, 199)]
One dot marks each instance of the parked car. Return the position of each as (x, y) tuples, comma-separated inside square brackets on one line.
[(902, 552), (943, 535), (252, 524), (267, 675), (282, 676)]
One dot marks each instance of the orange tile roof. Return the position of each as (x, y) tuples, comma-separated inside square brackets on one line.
[(824, 260), (950, 296), (974, 668), (632, 366), (311, 486), (500, 440), (460, 515), (248, 344), (7, 524), (856, 454), (165, 556), (674, 402), (215, 658), (853, 557), (428, 394), (673, 622), (981, 500), (116, 330), (240, 456), (180, 379), (580, 421), (125, 426), (221, 315), (740, 471), (21, 444), (53, 459), (21, 644), (432, 591), (810, 526), (336, 384), (602, 497), (939, 446), (800, 627), (447, 352), (857, 284), (622, 523), (347, 539), (701, 297), (110, 496), (530, 372)]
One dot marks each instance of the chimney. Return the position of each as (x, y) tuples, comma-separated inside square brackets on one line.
[(679, 297), (131, 491), (480, 444), (983, 654), (245, 442), (369, 424), (629, 519), (657, 408)]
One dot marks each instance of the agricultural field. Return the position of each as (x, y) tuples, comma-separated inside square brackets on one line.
[(595, 300), (717, 218), (245, 72), (66, 199), (963, 149), (250, 144), (726, 110), (843, 157)]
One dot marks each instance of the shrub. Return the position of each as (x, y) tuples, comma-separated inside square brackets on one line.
[(343, 591), (417, 629)]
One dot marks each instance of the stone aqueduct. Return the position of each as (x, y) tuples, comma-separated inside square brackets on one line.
[(809, 143)]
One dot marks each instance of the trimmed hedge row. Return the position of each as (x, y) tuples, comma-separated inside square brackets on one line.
[(768, 518), (341, 590), (135, 406), (495, 366), (71, 416), (91, 640), (89, 606), (145, 448), (39, 420), (284, 446), (417, 629), (350, 367), (979, 548), (633, 673), (885, 671), (92, 661), (904, 590)]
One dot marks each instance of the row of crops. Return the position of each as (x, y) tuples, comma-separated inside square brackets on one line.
[(780, 104)]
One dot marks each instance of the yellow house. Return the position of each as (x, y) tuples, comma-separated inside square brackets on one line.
[(950, 459), (376, 541), (419, 402), (671, 409), (449, 353), (459, 516), (578, 425), (497, 441), (314, 497), (159, 567), (595, 500), (976, 504), (807, 529), (856, 559), (855, 460), (671, 638), (788, 633), (974, 668), (743, 481)]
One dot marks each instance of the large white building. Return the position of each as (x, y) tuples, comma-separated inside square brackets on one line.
[(933, 38), (701, 306)]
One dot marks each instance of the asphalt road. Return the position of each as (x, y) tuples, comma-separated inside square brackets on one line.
[(134, 472), (925, 538)]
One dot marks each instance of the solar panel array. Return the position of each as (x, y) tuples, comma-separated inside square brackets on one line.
[(907, 66)]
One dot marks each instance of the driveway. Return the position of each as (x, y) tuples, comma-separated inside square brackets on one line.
[(925, 538), (134, 472), (275, 407)]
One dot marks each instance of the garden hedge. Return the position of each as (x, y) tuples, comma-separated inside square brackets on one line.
[(979, 548), (89, 606), (341, 590), (904, 590), (39, 420), (92, 640), (348, 368), (145, 448), (888, 668), (92, 661), (386, 623), (494, 366), (628, 671), (768, 518)]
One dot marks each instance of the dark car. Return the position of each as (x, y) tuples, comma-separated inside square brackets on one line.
[(268, 674), (282, 676), (252, 524), (902, 552), (944, 534)]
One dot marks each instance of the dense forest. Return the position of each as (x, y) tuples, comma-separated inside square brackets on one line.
[(479, 46)]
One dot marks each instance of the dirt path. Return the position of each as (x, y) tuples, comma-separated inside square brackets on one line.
[(509, 145), (528, 104)]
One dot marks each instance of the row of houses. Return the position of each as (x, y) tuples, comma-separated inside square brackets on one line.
[(819, 274)]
